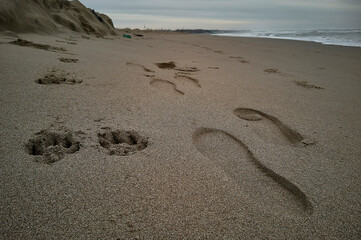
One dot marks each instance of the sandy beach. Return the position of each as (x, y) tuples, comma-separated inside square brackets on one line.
[(178, 136)]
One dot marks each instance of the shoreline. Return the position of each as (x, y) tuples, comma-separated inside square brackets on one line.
[(292, 39)]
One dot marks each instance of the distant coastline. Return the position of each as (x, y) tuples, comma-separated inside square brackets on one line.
[(205, 31), (340, 37)]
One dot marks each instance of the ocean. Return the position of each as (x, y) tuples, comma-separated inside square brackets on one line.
[(342, 37)]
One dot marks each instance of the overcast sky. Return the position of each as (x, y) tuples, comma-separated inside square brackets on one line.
[(231, 14)]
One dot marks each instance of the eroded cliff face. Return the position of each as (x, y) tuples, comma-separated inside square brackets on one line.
[(47, 16)]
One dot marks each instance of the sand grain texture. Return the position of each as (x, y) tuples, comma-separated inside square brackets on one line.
[(129, 156)]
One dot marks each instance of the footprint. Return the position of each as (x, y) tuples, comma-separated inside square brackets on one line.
[(189, 79), (218, 51), (268, 127), (305, 84), (121, 142), (187, 70), (25, 43), (261, 186), (165, 86), (272, 70), (57, 77), (138, 65), (49, 146)]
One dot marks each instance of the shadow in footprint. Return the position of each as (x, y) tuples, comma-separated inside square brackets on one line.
[(165, 86), (166, 65), (268, 127), (260, 185)]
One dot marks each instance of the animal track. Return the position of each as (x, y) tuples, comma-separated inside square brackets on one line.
[(57, 77), (52, 146), (256, 181), (268, 127), (121, 142), (193, 81), (166, 86), (138, 65)]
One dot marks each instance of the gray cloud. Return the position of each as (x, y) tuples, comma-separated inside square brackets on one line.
[(250, 14)]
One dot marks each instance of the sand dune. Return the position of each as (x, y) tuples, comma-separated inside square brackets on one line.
[(49, 16)]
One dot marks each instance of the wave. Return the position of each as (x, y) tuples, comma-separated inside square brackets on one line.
[(342, 37)]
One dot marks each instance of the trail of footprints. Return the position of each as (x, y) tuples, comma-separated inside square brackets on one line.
[(52, 145), (166, 85), (255, 179)]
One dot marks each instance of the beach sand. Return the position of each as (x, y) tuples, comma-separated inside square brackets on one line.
[(241, 139)]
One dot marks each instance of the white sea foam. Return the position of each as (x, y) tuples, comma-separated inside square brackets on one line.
[(343, 37)]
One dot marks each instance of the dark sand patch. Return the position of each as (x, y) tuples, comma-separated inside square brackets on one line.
[(237, 57), (24, 43), (272, 70), (149, 75), (68, 60), (67, 42), (166, 65), (257, 182), (121, 142), (305, 84), (49, 146)]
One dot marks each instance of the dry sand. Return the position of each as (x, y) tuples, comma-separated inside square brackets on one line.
[(242, 139)]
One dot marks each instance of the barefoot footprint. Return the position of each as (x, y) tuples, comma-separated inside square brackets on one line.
[(268, 127), (256, 181)]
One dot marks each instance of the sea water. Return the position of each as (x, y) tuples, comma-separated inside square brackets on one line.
[(343, 37)]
